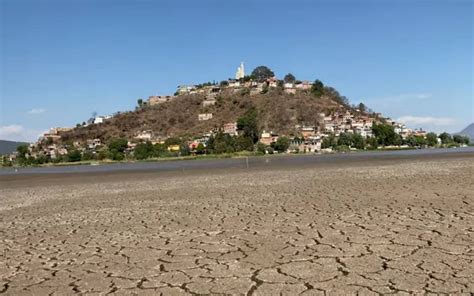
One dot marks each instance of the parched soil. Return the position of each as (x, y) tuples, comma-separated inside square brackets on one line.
[(367, 228)]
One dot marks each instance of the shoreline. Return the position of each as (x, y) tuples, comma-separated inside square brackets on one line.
[(195, 167)]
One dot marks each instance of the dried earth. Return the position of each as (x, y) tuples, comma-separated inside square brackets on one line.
[(381, 227)]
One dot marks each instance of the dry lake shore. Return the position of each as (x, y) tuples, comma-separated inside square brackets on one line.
[(370, 226)]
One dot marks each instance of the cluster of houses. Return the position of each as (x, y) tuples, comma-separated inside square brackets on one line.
[(310, 141)]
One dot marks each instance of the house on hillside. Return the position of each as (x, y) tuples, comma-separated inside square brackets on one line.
[(155, 100), (209, 102), (234, 83), (231, 128), (92, 144), (304, 85), (268, 138), (146, 135), (307, 131), (185, 89), (204, 116)]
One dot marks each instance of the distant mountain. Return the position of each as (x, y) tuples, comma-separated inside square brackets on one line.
[(468, 131), (7, 147)]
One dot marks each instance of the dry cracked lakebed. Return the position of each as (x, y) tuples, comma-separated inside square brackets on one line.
[(382, 227)]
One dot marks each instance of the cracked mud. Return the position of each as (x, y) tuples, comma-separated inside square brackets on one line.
[(369, 229)]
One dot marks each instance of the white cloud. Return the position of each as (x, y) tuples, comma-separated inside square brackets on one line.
[(16, 132), (405, 97), (36, 111), (427, 121), (10, 130)]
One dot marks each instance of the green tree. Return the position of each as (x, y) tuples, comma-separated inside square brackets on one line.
[(445, 138), (432, 139), (223, 143), (159, 150), (362, 107), (385, 134), (329, 142), (184, 149), (22, 150), (144, 150), (248, 125), (410, 141), (140, 102), (282, 144), (344, 139), (117, 148), (461, 139), (372, 143), (243, 143), (317, 89), (420, 141), (289, 78), (358, 141), (262, 73), (261, 148), (73, 155), (200, 149)]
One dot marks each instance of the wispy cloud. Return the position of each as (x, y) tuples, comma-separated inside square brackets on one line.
[(16, 132), (36, 111), (406, 96), (427, 121)]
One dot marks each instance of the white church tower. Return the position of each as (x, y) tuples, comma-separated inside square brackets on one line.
[(240, 71)]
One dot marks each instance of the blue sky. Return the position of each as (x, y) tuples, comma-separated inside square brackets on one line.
[(63, 60)]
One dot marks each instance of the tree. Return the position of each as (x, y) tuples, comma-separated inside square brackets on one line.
[(248, 125), (281, 145), (140, 102), (184, 149), (329, 142), (432, 139), (22, 150), (117, 148), (345, 139), (262, 73), (420, 141), (362, 107), (358, 141), (289, 78), (144, 150), (385, 134), (261, 148), (317, 89), (372, 143), (461, 139), (243, 143), (200, 149), (222, 143), (73, 155), (445, 138)]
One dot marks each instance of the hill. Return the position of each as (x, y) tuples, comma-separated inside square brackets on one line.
[(277, 111), (468, 131), (7, 147)]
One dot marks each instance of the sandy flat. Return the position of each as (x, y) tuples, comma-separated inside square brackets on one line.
[(402, 226)]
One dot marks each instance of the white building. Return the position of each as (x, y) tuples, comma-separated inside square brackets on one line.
[(204, 116), (240, 72)]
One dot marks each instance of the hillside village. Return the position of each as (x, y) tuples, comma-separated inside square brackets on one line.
[(255, 113)]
